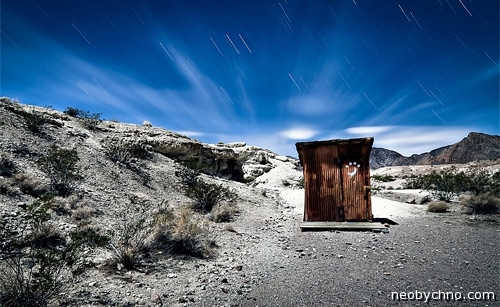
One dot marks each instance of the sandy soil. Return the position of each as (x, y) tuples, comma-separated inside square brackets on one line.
[(381, 207), (262, 258)]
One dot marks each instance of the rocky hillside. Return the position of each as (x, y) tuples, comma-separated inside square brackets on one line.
[(122, 181), (233, 161), (381, 157), (475, 147)]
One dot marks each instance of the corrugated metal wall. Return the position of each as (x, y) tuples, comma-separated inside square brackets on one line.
[(337, 179)]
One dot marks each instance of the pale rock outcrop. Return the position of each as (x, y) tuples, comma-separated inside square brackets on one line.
[(234, 161)]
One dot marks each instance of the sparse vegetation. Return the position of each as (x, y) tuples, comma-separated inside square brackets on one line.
[(438, 207), (83, 213), (34, 120), (89, 235), (117, 151), (479, 181), (128, 239), (30, 185), (6, 188), (481, 186), (40, 254), (128, 153), (208, 195), (443, 185), (60, 165), (183, 233), (73, 112), (383, 178), (188, 176), (223, 212), (37, 260), (481, 204), (89, 120), (205, 195), (23, 150), (125, 151)]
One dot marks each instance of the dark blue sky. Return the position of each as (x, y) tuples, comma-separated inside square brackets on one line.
[(415, 74)]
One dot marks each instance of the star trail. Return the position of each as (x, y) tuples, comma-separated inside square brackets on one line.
[(414, 74)]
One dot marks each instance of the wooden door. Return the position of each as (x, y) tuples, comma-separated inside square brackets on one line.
[(355, 191), (323, 185), (330, 190)]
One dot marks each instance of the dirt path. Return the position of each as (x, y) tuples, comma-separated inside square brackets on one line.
[(363, 268), (426, 252)]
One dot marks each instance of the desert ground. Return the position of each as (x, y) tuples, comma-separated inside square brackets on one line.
[(261, 257), (264, 259)]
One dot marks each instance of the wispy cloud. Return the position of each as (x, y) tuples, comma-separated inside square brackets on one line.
[(298, 133), (202, 105), (369, 130)]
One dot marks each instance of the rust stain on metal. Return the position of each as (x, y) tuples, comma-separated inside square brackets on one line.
[(337, 179)]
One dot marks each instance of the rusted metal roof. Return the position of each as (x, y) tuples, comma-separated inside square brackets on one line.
[(337, 179)]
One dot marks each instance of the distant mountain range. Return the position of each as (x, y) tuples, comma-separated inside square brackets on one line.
[(476, 146)]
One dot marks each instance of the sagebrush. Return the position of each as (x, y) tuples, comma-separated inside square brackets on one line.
[(129, 238), (450, 183), (88, 120), (60, 165), (35, 121), (486, 203), (181, 232), (223, 212), (30, 185), (438, 207), (205, 195), (37, 259)]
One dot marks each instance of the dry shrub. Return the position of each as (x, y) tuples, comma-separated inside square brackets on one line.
[(36, 258), (163, 215), (72, 201), (481, 204), (47, 235), (129, 241), (21, 285), (83, 213), (126, 151), (30, 185), (184, 233), (223, 212), (438, 206), (88, 120), (205, 195), (60, 166), (80, 209)]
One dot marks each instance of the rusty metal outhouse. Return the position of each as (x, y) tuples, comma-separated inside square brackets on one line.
[(336, 179)]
